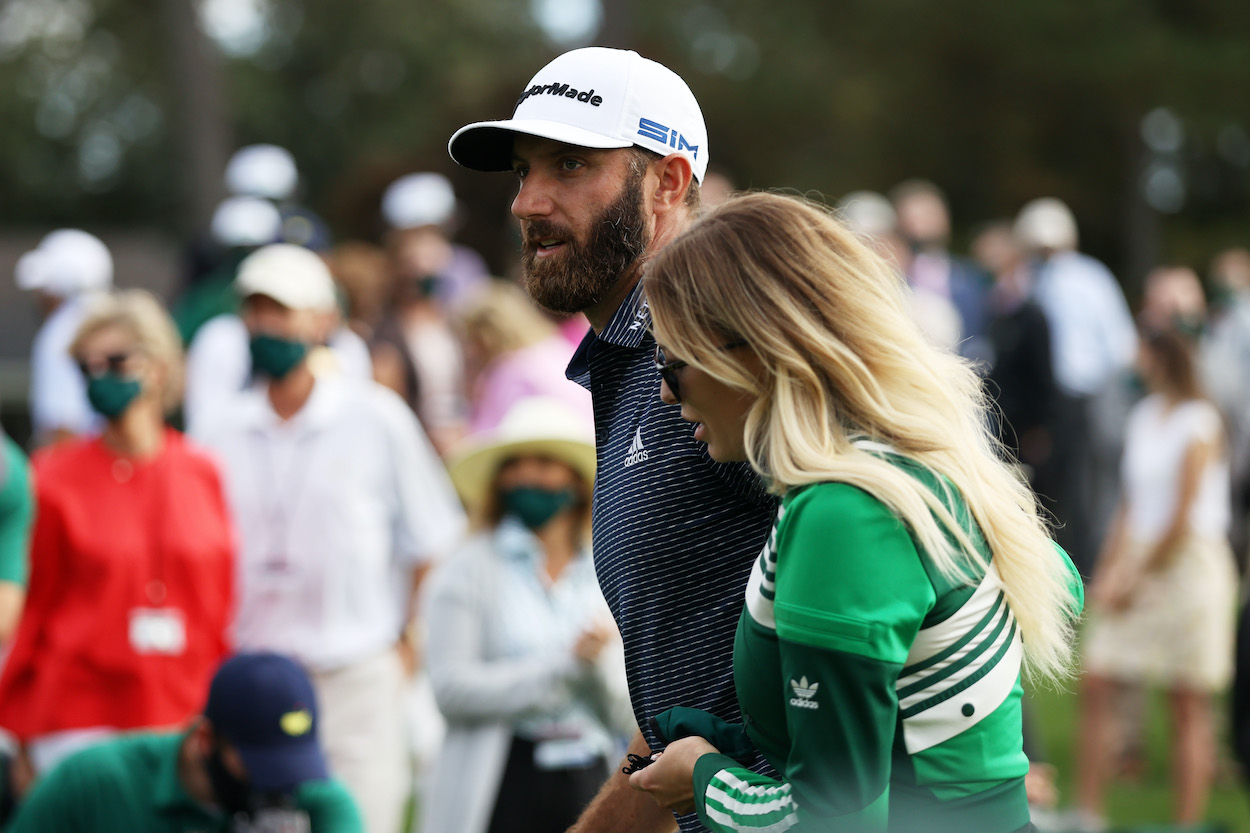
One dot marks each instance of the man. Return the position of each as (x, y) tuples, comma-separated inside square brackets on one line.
[(252, 762), (340, 503), (1093, 341), (64, 272), (610, 149), (924, 223)]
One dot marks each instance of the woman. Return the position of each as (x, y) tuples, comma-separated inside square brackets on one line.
[(131, 556), (523, 659), (878, 657), (517, 353), (1164, 594)]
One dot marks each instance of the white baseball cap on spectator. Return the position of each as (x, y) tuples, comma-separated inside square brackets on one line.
[(246, 221), (595, 98), (262, 171), (66, 262), (418, 200), (868, 212), (1046, 223), (291, 275)]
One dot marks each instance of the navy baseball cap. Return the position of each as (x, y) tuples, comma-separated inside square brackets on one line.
[(264, 705)]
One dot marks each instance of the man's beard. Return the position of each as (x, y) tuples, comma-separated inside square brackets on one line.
[(585, 273)]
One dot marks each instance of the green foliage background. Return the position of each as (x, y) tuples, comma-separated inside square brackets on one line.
[(996, 102)]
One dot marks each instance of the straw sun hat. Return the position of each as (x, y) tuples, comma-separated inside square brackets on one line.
[(539, 426)]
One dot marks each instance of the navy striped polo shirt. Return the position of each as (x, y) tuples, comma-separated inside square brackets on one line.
[(674, 533)]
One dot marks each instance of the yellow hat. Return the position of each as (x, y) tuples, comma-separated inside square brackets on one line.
[(539, 426)]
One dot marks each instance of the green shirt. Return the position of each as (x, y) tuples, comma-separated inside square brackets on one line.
[(16, 512), (131, 785), (887, 695)]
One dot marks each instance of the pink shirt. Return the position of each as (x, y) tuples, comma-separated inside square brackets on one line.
[(537, 370)]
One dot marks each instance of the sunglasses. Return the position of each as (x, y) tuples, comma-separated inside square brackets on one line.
[(112, 363), (668, 369)]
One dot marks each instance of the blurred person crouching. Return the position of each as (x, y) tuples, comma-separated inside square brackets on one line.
[(415, 351), (514, 352), (252, 763), (1163, 595), (523, 656), (341, 503), (132, 556), (65, 272)]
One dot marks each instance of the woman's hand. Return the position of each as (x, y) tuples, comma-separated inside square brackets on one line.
[(670, 779), (1113, 589)]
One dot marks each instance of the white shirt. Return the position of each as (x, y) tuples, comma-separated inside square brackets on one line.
[(58, 393), (1155, 443), (1091, 329), (333, 508), (219, 363)]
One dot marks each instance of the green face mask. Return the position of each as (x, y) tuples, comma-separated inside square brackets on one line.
[(111, 394), (533, 506), (276, 357)]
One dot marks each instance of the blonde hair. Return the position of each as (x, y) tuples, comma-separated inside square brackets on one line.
[(502, 318), (143, 317), (828, 320)]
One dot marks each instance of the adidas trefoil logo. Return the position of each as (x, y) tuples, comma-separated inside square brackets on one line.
[(636, 452), (805, 694)]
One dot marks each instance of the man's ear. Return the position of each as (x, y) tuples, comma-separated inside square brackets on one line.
[(674, 173)]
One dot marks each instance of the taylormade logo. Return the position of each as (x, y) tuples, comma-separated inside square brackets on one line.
[(636, 452), (805, 694), (563, 90)]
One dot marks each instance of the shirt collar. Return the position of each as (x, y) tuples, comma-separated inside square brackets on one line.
[(631, 322), (323, 405)]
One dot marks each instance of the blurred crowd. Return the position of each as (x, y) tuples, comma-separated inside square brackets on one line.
[(365, 456)]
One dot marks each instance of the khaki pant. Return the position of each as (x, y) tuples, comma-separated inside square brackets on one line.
[(364, 734)]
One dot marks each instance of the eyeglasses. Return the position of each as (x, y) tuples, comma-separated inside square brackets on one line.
[(668, 369), (112, 363)]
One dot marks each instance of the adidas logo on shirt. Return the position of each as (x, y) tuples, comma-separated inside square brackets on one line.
[(636, 452), (805, 695)]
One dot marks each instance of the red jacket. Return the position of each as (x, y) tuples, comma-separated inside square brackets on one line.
[(111, 537)]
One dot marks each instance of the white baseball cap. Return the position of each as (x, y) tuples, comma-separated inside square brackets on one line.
[(418, 200), (246, 221), (1046, 223), (596, 98), (262, 171), (291, 275), (66, 262)]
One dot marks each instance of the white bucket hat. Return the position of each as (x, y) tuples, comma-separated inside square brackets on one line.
[(291, 275), (595, 98), (536, 425)]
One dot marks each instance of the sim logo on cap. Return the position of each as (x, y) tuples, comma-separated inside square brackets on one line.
[(665, 136)]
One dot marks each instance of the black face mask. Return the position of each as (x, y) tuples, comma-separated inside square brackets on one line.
[(233, 794)]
